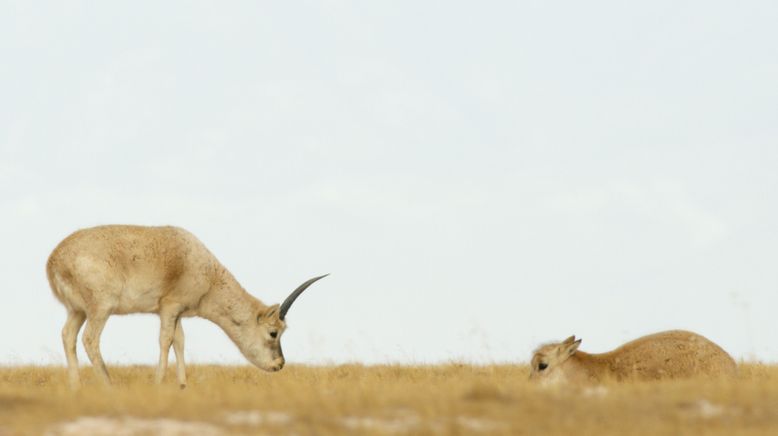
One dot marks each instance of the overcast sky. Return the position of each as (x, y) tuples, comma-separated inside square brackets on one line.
[(477, 177)]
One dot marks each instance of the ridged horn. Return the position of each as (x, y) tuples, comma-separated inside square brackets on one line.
[(293, 296)]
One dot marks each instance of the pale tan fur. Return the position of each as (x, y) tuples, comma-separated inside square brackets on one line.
[(664, 355), (117, 269)]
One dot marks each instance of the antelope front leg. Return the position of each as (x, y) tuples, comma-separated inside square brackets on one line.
[(178, 347), (167, 327)]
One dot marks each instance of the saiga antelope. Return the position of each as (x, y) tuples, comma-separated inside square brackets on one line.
[(117, 269)]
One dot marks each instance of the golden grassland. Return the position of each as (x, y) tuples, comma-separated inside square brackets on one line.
[(356, 399)]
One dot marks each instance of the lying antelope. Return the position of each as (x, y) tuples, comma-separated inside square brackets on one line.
[(664, 355), (116, 269)]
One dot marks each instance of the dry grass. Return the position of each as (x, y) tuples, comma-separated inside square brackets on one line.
[(354, 399)]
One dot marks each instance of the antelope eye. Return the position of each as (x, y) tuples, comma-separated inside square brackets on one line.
[(273, 334), (542, 366)]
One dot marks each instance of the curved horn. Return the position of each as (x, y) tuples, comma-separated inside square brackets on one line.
[(296, 293)]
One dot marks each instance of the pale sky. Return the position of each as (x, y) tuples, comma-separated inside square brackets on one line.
[(477, 177)]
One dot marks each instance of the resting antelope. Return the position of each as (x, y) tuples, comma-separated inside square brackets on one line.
[(117, 269), (671, 354)]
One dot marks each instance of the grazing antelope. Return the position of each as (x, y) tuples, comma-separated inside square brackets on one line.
[(117, 269), (664, 355)]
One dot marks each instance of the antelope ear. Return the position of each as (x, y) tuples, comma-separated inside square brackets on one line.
[(268, 314), (572, 348), (569, 340)]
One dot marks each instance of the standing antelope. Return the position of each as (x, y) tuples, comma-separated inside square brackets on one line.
[(117, 269), (670, 354)]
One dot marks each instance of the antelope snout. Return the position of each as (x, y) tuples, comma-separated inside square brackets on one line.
[(277, 364)]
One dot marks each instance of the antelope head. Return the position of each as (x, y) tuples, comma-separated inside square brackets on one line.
[(547, 359), (263, 347)]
